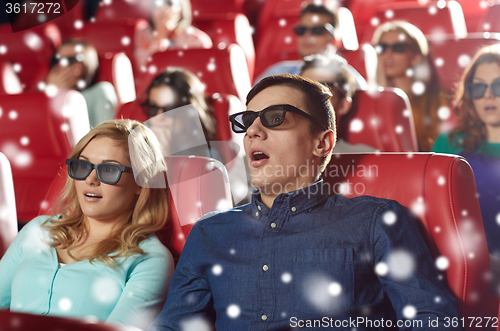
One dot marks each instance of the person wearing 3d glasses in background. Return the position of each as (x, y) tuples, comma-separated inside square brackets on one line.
[(315, 35), (74, 66), (477, 138), (98, 256), (297, 252)]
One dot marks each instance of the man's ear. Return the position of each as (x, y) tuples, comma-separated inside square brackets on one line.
[(325, 143)]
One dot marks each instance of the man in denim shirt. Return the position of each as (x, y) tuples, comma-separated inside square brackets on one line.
[(298, 257)]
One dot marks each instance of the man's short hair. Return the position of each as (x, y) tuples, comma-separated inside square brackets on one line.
[(317, 100), (320, 9), (337, 66)]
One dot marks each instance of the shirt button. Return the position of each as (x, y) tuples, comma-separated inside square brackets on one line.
[(273, 225), (264, 317), (259, 207), (265, 267), (294, 208), (257, 214)]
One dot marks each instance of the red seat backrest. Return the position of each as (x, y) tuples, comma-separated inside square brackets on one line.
[(11, 321), (9, 81), (117, 69), (451, 56), (197, 185), (441, 190), (428, 17), (489, 21), (221, 70), (38, 133), (231, 29), (381, 119), (111, 10), (8, 219), (26, 51)]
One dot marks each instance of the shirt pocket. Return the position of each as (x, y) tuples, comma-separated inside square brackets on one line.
[(324, 280)]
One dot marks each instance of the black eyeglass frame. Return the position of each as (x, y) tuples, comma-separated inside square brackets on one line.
[(98, 172), (237, 127), (469, 86), (145, 106), (399, 48), (57, 60), (317, 30), (335, 86)]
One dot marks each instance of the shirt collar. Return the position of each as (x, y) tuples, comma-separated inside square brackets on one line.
[(297, 201)]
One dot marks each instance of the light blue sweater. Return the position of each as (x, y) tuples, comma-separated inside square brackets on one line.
[(31, 281)]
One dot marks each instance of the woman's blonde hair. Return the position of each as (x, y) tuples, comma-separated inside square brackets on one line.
[(148, 215)]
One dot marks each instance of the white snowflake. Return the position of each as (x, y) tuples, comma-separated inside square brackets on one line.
[(463, 60), (217, 270), (17, 67), (418, 88), (282, 22), (33, 41), (432, 10), (125, 41), (105, 290), (286, 277), (65, 304), (401, 264), (78, 24), (439, 62), (409, 311), (389, 14), (334, 289), (356, 125), (498, 218), (441, 181), (211, 67), (389, 217), (24, 140), (399, 129), (442, 263), (65, 127), (13, 115), (444, 113), (3, 49), (381, 269), (51, 90), (374, 21), (233, 311)]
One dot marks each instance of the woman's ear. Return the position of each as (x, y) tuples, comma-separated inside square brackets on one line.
[(325, 143)]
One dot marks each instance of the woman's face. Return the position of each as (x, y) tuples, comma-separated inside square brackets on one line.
[(161, 99), (166, 13), (488, 107), (395, 61), (103, 202)]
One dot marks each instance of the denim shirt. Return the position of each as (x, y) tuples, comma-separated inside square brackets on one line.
[(312, 258)]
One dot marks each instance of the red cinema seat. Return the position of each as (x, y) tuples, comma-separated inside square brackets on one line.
[(489, 21), (441, 190), (113, 36), (9, 81), (10, 321), (119, 9), (452, 56), (38, 133), (8, 218), (221, 70), (26, 51), (447, 18), (197, 185), (381, 119), (232, 29)]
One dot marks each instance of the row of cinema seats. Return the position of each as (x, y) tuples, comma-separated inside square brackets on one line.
[(442, 196), (39, 132)]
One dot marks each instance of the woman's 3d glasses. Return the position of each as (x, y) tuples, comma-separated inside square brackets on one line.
[(317, 30), (270, 117), (395, 48), (477, 90), (107, 173)]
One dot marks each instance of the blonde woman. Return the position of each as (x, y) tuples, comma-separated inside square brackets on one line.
[(403, 62), (98, 257)]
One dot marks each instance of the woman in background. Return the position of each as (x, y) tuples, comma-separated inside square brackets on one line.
[(99, 255), (478, 136), (403, 62), (170, 28), (74, 66)]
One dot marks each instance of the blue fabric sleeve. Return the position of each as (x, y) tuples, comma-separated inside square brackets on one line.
[(412, 280), (189, 298), (146, 288)]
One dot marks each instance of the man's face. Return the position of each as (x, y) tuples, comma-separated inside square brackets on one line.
[(310, 43), (280, 158)]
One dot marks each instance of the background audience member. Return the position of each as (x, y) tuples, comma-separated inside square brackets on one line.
[(403, 62), (172, 89), (315, 35), (74, 66), (170, 28), (99, 256), (478, 136), (332, 71)]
